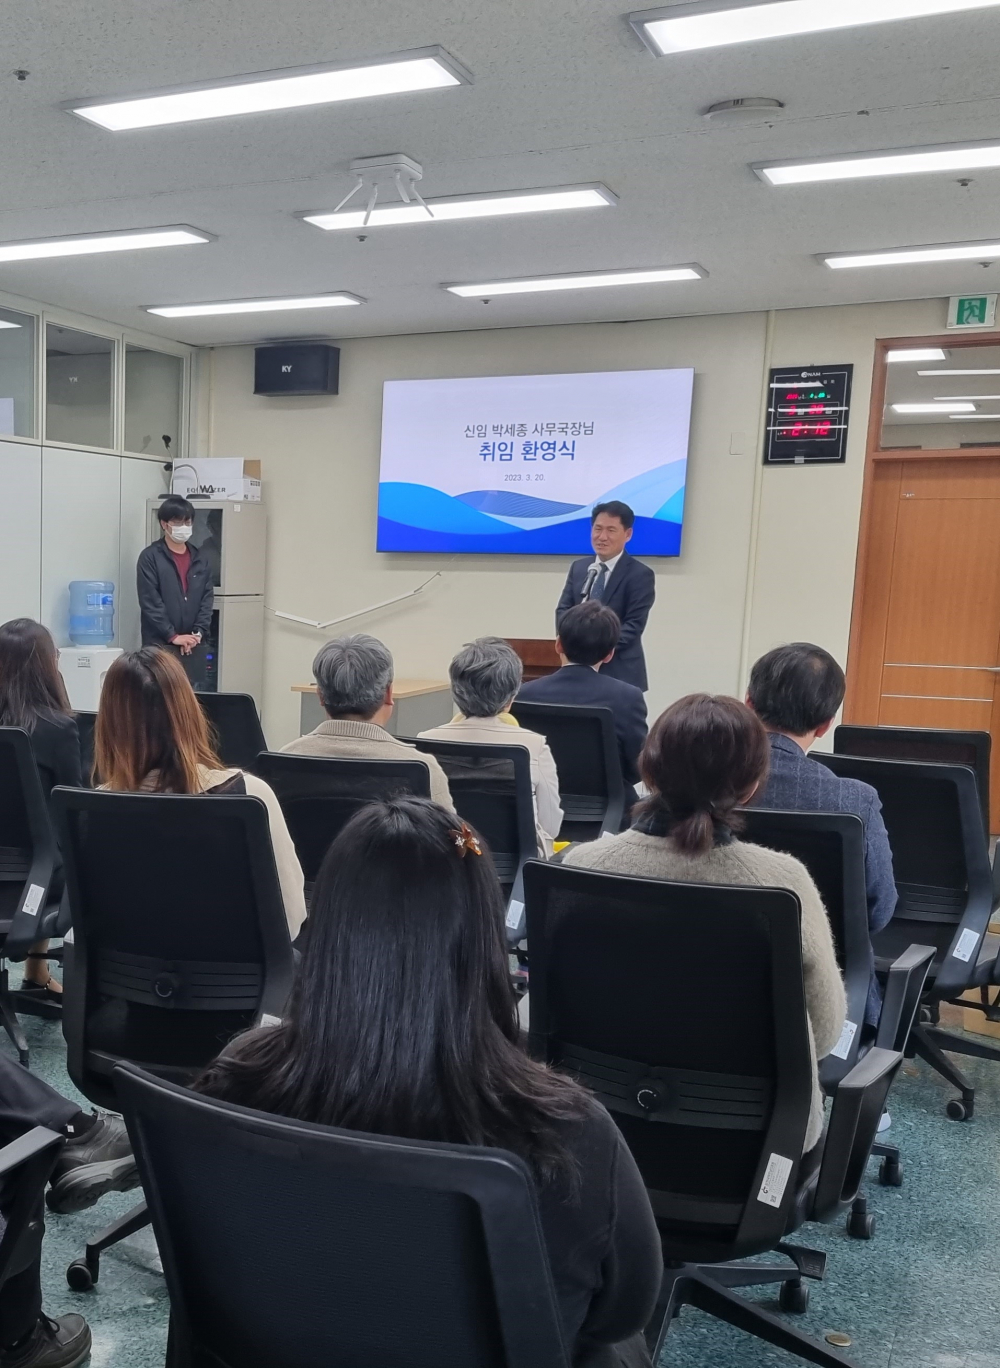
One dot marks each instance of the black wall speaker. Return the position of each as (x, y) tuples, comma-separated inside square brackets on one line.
[(298, 368)]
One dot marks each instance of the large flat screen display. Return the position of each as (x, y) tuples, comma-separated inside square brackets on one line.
[(514, 463)]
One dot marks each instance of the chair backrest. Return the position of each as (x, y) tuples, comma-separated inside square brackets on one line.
[(26, 1165), (928, 744), (585, 749), (939, 855), (831, 845), (236, 724), (491, 789), (320, 794), (179, 933), (711, 1089), (27, 844), (425, 1254)]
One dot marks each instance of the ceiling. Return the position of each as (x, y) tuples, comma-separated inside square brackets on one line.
[(563, 93)]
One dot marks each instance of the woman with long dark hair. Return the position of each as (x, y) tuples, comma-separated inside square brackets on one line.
[(704, 758), (33, 697), (403, 1022)]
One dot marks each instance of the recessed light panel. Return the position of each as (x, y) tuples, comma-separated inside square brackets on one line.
[(910, 354), (959, 372), (934, 408), (868, 165), (453, 207), (578, 280), (424, 69), (914, 256), (89, 244), (687, 28), (246, 306)]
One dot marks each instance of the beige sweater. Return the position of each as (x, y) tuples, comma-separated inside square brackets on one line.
[(349, 740), (656, 857)]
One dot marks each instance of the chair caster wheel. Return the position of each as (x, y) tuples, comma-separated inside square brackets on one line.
[(79, 1276), (958, 1110), (794, 1296), (860, 1227), (890, 1173)]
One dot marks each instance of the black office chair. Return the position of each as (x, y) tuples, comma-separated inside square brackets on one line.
[(933, 816), (28, 857), (491, 788), (320, 794), (156, 975), (85, 723), (427, 1254), (585, 749), (710, 1090), (236, 724)]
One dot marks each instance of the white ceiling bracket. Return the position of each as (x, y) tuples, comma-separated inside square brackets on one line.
[(395, 171)]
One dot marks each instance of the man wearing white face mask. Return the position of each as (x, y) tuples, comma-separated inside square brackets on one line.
[(174, 583)]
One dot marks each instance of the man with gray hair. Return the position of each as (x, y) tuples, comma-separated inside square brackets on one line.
[(485, 677), (354, 680)]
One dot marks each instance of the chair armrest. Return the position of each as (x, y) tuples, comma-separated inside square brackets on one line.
[(29, 1146), (996, 876), (903, 990), (854, 1117)]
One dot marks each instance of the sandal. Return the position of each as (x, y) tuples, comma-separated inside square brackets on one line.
[(41, 991)]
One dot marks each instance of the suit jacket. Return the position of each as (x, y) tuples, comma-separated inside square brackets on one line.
[(349, 740), (798, 784), (630, 591), (583, 687)]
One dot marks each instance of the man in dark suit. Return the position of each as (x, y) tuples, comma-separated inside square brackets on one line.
[(588, 635), (796, 692), (613, 577)]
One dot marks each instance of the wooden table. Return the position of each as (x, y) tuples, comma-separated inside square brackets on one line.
[(420, 704)]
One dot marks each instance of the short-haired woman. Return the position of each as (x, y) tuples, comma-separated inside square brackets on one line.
[(704, 758), (33, 697), (403, 1023), (151, 736), (485, 678)]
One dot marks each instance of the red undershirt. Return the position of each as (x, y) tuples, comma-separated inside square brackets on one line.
[(182, 559)]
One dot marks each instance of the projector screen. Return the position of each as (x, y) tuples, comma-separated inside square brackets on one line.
[(513, 464)]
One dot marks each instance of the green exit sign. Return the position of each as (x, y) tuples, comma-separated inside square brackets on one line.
[(972, 311)]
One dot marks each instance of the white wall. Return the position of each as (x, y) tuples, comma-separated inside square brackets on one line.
[(767, 555)]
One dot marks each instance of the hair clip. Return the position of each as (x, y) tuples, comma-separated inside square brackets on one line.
[(465, 840)]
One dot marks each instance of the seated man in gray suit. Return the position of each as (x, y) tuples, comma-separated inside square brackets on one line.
[(796, 692)]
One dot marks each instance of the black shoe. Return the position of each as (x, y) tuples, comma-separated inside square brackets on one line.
[(100, 1161), (61, 1343)]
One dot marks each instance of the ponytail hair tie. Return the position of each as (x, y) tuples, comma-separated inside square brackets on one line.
[(465, 840)]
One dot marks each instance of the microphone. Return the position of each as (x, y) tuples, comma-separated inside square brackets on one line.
[(588, 583)]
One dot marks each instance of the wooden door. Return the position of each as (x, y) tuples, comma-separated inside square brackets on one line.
[(926, 650)]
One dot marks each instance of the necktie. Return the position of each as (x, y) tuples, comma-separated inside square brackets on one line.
[(597, 592)]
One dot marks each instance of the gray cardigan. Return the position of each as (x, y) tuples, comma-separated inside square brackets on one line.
[(656, 857)]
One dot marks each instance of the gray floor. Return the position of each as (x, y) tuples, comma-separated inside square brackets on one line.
[(924, 1293)]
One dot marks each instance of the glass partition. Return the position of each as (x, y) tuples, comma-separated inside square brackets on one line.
[(79, 370), (153, 389), (941, 398), (17, 374)]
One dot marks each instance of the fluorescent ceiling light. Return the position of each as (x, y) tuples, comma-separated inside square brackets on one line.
[(863, 165), (578, 280), (976, 417), (960, 372), (978, 398), (490, 205), (934, 408), (909, 256), (423, 69), (39, 248), (915, 354), (244, 306), (5, 324), (686, 28)]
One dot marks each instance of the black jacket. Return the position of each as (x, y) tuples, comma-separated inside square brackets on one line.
[(55, 744), (166, 611), (583, 687), (630, 591)]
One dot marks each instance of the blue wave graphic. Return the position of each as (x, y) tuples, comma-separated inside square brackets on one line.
[(651, 537), (422, 506), (516, 505)]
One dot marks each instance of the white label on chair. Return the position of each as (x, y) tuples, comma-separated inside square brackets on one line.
[(606, 835), (843, 1046), (967, 943), (266, 1019), (33, 899), (772, 1189), (514, 914)]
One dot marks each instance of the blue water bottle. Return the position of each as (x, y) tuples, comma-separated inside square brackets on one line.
[(91, 612)]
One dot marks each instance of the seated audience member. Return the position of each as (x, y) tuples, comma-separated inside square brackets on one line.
[(151, 736), (796, 692), (588, 635), (354, 679), (704, 758), (403, 1023), (33, 697), (96, 1159), (485, 677)]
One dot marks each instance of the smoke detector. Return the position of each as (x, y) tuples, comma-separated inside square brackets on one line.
[(390, 175), (744, 110)]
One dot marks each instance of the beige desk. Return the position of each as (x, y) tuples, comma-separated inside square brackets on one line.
[(420, 703)]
